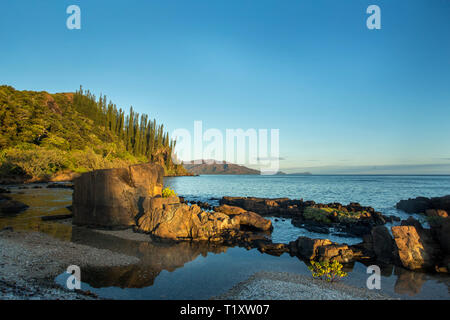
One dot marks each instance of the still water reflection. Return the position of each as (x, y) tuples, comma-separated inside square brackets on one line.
[(190, 270)]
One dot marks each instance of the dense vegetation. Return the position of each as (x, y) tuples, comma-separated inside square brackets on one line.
[(42, 135)]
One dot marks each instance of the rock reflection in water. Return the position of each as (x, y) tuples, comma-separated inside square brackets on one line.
[(409, 282), (155, 257)]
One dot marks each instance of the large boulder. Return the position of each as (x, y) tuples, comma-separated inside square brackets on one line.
[(112, 198), (416, 247)]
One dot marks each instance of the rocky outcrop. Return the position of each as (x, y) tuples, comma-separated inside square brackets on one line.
[(170, 219), (411, 247), (112, 198), (351, 220), (131, 197), (422, 204)]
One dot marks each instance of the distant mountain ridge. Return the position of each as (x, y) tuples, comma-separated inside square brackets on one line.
[(211, 167)]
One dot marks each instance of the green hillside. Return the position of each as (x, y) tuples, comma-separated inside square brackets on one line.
[(43, 135)]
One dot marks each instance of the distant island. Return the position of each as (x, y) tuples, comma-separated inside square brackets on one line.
[(210, 167), (300, 174)]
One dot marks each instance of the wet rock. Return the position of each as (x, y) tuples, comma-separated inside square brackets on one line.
[(12, 206), (112, 198), (310, 226), (353, 219), (56, 217), (60, 186)]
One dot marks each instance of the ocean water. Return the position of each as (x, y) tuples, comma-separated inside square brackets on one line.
[(194, 271), (379, 192)]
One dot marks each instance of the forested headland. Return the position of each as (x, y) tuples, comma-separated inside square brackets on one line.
[(45, 135)]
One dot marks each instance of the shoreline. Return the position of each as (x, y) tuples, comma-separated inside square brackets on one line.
[(30, 261), (271, 285)]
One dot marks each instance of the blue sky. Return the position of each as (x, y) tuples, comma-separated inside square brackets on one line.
[(345, 98)]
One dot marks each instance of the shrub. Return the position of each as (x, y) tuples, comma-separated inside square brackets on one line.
[(36, 163), (329, 271), (324, 215), (316, 214), (167, 192)]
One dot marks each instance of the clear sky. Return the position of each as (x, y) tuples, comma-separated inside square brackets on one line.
[(345, 98)]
